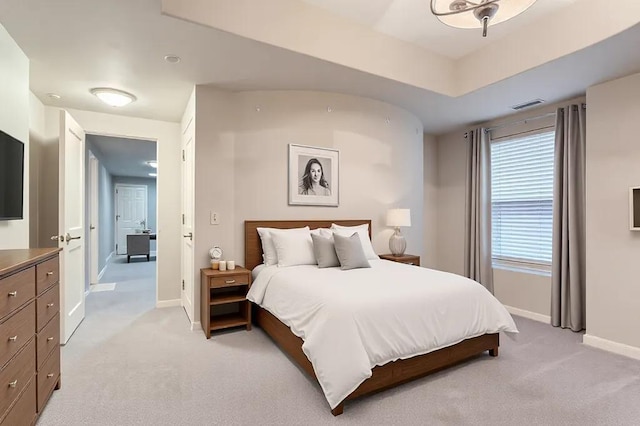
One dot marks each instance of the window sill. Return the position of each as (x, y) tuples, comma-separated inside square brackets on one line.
[(543, 270)]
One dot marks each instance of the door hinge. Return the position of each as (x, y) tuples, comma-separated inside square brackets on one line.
[(183, 156), (183, 284), (183, 218)]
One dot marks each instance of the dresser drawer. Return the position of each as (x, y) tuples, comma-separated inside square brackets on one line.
[(47, 306), (16, 331), (15, 376), (229, 280), (47, 378), (48, 339), (23, 412), (47, 273), (16, 290)]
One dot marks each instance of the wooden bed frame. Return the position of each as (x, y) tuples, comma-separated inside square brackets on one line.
[(383, 377)]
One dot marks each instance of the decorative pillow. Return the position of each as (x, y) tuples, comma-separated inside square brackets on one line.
[(363, 233), (325, 251), (293, 248), (270, 256), (349, 251)]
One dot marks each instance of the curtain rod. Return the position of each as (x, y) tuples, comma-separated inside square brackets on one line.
[(524, 121)]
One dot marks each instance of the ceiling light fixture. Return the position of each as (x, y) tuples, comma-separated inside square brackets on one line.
[(153, 174), (478, 13), (152, 163), (53, 96), (113, 97)]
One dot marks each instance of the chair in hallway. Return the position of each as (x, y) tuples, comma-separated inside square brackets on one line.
[(137, 245)]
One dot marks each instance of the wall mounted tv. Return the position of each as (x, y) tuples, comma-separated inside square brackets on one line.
[(11, 177)]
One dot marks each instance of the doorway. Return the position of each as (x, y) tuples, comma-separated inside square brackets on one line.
[(131, 213)]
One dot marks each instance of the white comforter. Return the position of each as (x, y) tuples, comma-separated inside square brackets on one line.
[(353, 320)]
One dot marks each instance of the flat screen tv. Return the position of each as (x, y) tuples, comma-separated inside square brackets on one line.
[(11, 177)]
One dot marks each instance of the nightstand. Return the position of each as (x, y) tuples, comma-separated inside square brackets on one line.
[(223, 299), (409, 259)]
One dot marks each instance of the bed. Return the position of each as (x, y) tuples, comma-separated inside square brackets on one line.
[(381, 372)]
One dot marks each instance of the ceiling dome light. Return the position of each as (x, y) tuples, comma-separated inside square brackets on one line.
[(113, 97), (153, 174), (53, 96), (152, 163), (172, 59), (478, 13)]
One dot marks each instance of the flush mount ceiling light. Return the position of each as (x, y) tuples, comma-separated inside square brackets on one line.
[(478, 13), (153, 174), (172, 59), (113, 97), (152, 163)]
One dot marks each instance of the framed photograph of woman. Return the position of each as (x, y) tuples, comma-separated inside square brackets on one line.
[(313, 176)]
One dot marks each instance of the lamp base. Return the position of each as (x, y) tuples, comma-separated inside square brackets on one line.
[(397, 243)]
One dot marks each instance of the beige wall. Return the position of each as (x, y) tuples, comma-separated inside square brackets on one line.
[(528, 293), (241, 162), (14, 120), (613, 251), (167, 136)]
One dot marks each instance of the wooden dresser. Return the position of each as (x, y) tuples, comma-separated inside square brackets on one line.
[(29, 333)]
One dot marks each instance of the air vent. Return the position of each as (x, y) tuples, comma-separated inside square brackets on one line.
[(528, 104)]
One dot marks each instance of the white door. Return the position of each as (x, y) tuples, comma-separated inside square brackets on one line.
[(187, 220), (71, 225), (131, 213), (93, 218)]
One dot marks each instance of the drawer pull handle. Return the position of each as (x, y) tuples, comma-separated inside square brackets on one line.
[(13, 338), (49, 305), (13, 293), (49, 273), (230, 281), (50, 375), (13, 384)]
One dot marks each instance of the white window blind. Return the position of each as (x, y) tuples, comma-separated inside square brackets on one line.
[(522, 198)]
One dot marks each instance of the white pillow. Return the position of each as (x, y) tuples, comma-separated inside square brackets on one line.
[(293, 248), (363, 233), (270, 256)]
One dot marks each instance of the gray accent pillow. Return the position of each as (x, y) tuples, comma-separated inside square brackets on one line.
[(325, 251), (350, 252)]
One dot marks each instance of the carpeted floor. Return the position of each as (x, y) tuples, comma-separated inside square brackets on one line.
[(131, 364)]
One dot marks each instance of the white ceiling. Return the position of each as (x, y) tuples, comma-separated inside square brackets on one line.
[(75, 45), (412, 21), (122, 156)]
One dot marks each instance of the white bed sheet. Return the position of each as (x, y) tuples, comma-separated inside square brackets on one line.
[(352, 321)]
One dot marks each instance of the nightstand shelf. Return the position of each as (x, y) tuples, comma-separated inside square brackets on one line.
[(223, 299), (409, 259)]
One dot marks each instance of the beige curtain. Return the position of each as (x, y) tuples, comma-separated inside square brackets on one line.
[(477, 243), (568, 258)]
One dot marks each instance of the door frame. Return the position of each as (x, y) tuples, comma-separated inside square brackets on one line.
[(94, 218)]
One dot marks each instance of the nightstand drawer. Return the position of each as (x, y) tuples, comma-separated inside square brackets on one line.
[(230, 280)]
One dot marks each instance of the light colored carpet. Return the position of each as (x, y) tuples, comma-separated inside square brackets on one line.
[(131, 364)]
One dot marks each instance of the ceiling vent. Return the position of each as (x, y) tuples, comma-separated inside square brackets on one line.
[(528, 104)]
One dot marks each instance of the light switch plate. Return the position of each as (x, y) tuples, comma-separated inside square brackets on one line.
[(215, 218)]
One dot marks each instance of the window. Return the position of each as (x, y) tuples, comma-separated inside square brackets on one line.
[(522, 199)]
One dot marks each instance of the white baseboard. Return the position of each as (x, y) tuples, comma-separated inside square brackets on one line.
[(168, 303), (106, 263), (611, 346), (195, 326), (528, 314)]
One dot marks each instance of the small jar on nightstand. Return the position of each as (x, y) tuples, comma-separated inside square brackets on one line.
[(409, 259)]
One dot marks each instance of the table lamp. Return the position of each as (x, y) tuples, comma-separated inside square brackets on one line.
[(398, 218)]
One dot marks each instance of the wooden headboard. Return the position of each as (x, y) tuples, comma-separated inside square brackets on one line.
[(253, 245)]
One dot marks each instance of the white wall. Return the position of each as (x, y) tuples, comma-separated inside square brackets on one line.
[(528, 292), (613, 251), (430, 186), (14, 120), (167, 136), (241, 163)]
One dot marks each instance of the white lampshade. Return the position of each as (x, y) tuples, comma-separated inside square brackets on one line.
[(399, 217), (466, 19)]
